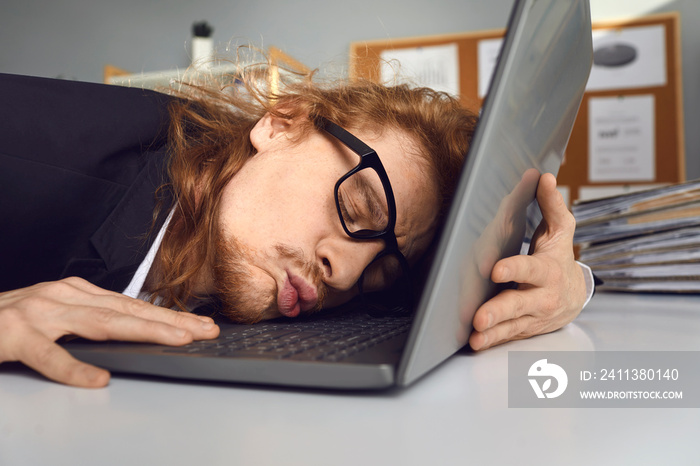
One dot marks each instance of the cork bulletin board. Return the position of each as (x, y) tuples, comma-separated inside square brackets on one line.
[(587, 172)]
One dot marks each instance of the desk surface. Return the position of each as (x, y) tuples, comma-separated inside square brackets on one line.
[(458, 414)]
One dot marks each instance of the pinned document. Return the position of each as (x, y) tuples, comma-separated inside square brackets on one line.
[(621, 139)]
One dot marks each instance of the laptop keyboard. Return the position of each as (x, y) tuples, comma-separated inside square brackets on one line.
[(331, 339)]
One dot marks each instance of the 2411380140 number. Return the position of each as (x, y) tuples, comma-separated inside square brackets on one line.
[(638, 374)]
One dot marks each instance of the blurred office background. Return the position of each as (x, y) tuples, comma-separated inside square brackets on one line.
[(74, 39)]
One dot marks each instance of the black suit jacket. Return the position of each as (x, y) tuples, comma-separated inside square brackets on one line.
[(80, 164)]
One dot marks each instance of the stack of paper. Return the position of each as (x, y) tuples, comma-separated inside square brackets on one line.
[(643, 241)]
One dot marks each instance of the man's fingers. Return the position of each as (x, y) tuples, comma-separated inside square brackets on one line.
[(521, 269), (506, 305), (200, 327), (73, 293), (516, 314), (554, 210), (98, 323), (548, 280), (32, 318), (509, 330), (55, 363)]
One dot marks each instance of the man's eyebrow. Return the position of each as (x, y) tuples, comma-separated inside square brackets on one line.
[(377, 209)]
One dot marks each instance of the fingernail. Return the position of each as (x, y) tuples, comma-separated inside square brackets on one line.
[(205, 319), (97, 377), (505, 273), (207, 325), (490, 322), (486, 341), (180, 333)]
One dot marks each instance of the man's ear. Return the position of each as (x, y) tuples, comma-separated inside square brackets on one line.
[(269, 129)]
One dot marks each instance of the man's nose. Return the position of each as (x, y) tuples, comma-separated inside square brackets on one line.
[(343, 259)]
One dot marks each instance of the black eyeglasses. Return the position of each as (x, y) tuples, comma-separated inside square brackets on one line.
[(367, 213)]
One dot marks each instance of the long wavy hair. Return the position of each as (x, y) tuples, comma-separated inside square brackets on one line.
[(209, 141)]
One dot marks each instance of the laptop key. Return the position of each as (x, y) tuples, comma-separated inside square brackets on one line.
[(329, 341)]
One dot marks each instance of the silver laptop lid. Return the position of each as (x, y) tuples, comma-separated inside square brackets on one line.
[(525, 125)]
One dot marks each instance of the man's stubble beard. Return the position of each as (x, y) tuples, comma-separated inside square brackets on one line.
[(241, 300)]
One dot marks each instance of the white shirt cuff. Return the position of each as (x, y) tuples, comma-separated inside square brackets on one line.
[(588, 278)]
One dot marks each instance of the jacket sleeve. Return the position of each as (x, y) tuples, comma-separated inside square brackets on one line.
[(70, 154), (83, 126)]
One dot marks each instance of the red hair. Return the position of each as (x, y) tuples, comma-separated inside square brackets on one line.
[(209, 138)]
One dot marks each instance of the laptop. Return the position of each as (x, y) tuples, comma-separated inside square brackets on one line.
[(525, 124)]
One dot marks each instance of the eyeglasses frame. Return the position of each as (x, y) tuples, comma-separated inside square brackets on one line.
[(368, 159)]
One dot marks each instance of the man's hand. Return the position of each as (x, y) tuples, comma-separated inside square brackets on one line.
[(551, 287), (33, 318)]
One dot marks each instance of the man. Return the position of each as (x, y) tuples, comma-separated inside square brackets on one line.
[(274, 205)]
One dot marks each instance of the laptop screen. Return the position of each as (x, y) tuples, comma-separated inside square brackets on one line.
[(525, 124)]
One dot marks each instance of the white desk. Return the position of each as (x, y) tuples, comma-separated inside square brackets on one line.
[(458, 414)]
